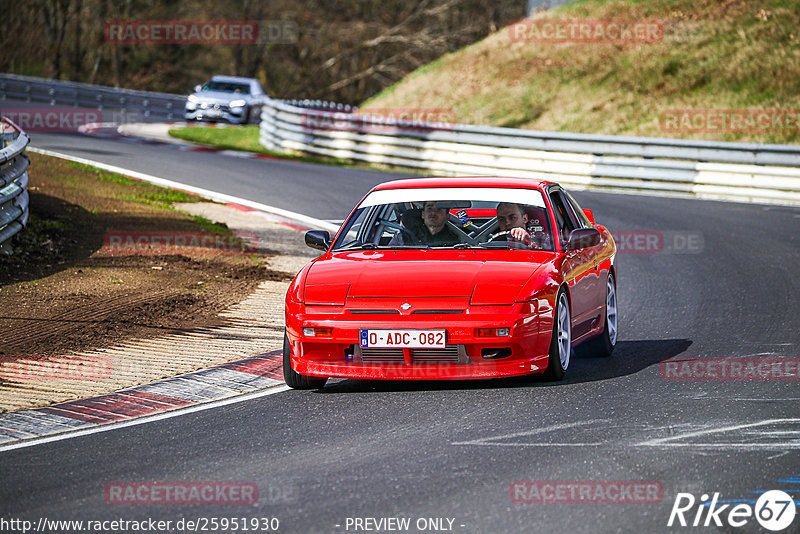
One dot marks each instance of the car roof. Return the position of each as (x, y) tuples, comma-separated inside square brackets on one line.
[(464, 181), (221, 78)]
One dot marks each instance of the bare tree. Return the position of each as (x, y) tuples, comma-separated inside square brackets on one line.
[(55, 15)]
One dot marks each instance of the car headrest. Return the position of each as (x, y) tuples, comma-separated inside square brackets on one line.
[(412, 219), (537, 217)]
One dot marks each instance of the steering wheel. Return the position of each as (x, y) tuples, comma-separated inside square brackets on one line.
[(400, 227), (507, 233), (495, 237)]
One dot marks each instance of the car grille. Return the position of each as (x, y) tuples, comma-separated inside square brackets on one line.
[(449, 354), (373, 355)]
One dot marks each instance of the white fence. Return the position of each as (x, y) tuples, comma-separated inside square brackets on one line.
[(747, 172)]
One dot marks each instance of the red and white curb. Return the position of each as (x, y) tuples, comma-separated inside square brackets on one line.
[(232, 381)]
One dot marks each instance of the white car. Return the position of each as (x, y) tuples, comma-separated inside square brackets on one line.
[(226, 98)]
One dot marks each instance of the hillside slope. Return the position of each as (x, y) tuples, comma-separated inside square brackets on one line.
[(713, 55)]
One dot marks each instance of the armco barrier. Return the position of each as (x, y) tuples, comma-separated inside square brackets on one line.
[(747, 172), (13, 182), (132, 105)]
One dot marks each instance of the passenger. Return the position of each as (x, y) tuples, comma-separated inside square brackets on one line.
[(434, 230)]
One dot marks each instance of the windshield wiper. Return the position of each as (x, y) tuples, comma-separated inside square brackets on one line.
[(373, 246), (464, 246), (362, 246)]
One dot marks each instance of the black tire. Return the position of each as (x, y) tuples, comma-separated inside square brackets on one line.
[(556, 368), (294, 379), (603, 345)]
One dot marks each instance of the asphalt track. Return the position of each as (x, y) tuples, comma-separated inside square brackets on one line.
[(452, 450)]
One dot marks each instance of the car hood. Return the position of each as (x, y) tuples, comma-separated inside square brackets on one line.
[(489, 277)]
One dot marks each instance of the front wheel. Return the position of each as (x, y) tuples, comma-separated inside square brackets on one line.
[(294, 379), (561, 342), (603, 345)]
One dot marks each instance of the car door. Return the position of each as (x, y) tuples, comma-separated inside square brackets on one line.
[(578, 269), (598, 281)]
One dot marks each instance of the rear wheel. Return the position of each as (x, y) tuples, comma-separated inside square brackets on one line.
[(603, 345), (294, 379), (561, 342)]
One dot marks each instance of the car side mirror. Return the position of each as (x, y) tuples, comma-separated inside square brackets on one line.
[(583, 238), (589, 215), (198, 88), (319, 239)]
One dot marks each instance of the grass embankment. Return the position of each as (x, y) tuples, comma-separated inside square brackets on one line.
[(714, 55), (66, 289), (244, 138), (225, 137)]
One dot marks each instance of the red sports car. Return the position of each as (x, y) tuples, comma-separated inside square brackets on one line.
[(452, 278)]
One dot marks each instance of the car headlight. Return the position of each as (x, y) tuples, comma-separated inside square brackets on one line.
[(237, 103), (193, 99)]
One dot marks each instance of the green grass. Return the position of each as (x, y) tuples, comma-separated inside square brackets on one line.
[(208, 226), (229, 138), (152, 195), (736, 54), (144, 192), (245, 138)]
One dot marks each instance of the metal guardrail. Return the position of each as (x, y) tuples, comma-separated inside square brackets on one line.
[(748, 172), (133, 105), (13, 182)]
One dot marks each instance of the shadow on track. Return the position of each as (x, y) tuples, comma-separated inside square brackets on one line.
[(629, 357)]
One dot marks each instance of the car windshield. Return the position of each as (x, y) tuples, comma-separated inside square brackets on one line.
[(227, 87), (449, 218)]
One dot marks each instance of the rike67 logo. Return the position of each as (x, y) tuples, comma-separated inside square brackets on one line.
[(774, 510)]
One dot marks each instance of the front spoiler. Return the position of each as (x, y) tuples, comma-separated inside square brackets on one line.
[(422, 371)]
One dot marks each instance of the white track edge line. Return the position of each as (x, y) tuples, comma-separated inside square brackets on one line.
[(206, 193), (145, 419)]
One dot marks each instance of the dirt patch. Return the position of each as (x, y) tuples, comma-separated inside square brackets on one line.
[(64, 290)]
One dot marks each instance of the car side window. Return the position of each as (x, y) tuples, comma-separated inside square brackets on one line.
[(582, 219), (564, 218)]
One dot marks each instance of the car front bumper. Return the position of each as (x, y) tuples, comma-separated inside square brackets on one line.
[(467, 356), (234, 115)]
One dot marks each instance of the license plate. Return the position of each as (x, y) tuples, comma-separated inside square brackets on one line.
[(407, 339), (214, 113)]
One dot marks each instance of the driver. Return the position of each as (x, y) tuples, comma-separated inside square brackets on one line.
[(512, 218), (434, 230)]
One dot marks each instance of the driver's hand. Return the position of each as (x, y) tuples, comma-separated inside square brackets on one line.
[(520, 234)]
